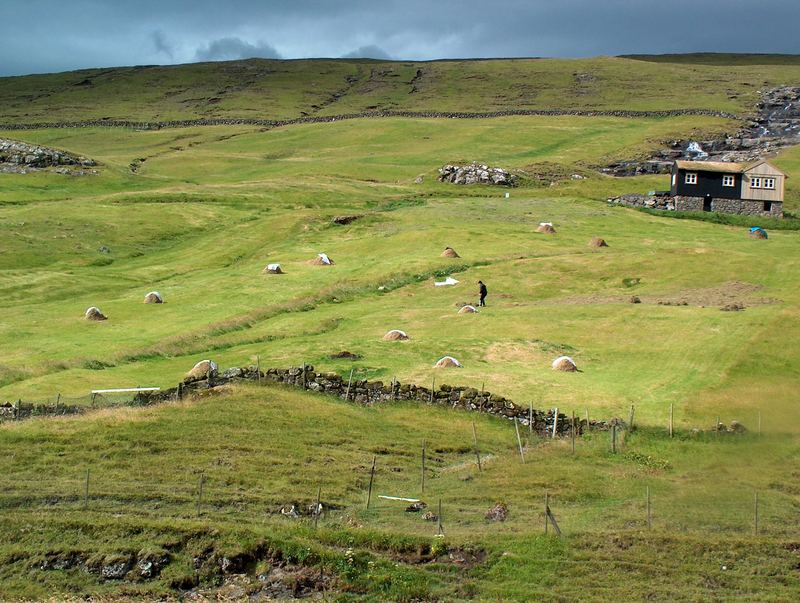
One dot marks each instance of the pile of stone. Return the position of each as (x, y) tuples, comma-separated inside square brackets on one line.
[(476, 173), (16, 155), (776, 125)]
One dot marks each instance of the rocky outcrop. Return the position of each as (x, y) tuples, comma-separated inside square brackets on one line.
[(20, 157), (476, 173), (775, 125)]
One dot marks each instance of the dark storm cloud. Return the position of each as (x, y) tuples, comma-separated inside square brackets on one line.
[(52, 35), (227, 49), (162, 44), (367, 52)]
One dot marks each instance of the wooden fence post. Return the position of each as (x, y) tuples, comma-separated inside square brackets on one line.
[(572, 431), (200, 492), (587, 419), (671, 432), (86, 491), (423, 466), (318, 508), (530, 417), (519, 440), (546, 508), (304, 375), (649, 516), (433, 387), (371, 478), (755, 515), (439, 519), (630, 422), (555, 422), (475, 440), (614, 438), (349, 382), (258, 368)]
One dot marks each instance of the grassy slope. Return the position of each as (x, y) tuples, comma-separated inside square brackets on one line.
[(145, 465), (282, 89), (211, 206)]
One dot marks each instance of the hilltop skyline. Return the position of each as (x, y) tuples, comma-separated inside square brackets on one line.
[(48, 36)]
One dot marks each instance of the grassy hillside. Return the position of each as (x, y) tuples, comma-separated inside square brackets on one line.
[(197, 213), (284, 89), (263, 448)]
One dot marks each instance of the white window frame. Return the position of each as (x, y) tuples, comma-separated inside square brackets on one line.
[(729, 180), (755, 182), (691, 178), (769, 183)]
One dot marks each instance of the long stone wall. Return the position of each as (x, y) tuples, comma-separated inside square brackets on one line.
[(359, 391), (275, 123)]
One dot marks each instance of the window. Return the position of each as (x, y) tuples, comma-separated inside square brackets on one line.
[(728, 180), (768, 207), (755, 182), (674, 179), (691, 178), (769, 183)]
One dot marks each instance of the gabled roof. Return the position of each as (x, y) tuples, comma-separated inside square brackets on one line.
[(711, 166), (727, 167), (766, 168)]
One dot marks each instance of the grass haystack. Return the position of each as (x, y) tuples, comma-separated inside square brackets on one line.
[(546, 227), (201, 370), (273, 269), (94, 313), (758, 233), (396, 335), (565, 363), (154, 297), (322, 259), (597, 242), (447, 362), (468, 310), (449, 252)]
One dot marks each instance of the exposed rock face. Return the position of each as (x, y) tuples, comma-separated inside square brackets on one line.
[(476, 173), (776, 125), (19, 157)]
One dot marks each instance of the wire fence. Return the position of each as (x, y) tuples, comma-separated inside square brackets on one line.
[(763, 513)]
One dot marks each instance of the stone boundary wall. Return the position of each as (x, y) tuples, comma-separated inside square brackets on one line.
[(739, 207), (276, 123), (360, 392)]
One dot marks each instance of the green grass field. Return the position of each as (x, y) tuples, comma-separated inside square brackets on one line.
[(208, 208)]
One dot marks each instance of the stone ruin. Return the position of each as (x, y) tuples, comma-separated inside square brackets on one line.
[(21, 157), (476, 173)]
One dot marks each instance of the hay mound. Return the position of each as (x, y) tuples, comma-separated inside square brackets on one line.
[(468, 310), (154, 297), (447, 362), (449, 252), (565, 363), (396, 335), (94, 313), (758, 233), (322, 259), (546, 227), (597, 242), (273, 269), (200, 371)]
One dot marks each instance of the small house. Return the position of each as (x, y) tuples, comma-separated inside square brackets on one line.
[(752, 189)]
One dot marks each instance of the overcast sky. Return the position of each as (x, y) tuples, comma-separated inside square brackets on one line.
[(55, 35)]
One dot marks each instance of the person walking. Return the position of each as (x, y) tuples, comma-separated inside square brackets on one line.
[(482, 292)]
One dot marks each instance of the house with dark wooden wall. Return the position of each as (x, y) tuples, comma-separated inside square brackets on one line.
[(754, 189)]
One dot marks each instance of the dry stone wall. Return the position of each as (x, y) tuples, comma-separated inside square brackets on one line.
[(741, 207), (358, 391)]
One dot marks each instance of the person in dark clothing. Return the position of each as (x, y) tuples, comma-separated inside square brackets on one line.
[(482, 292)]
